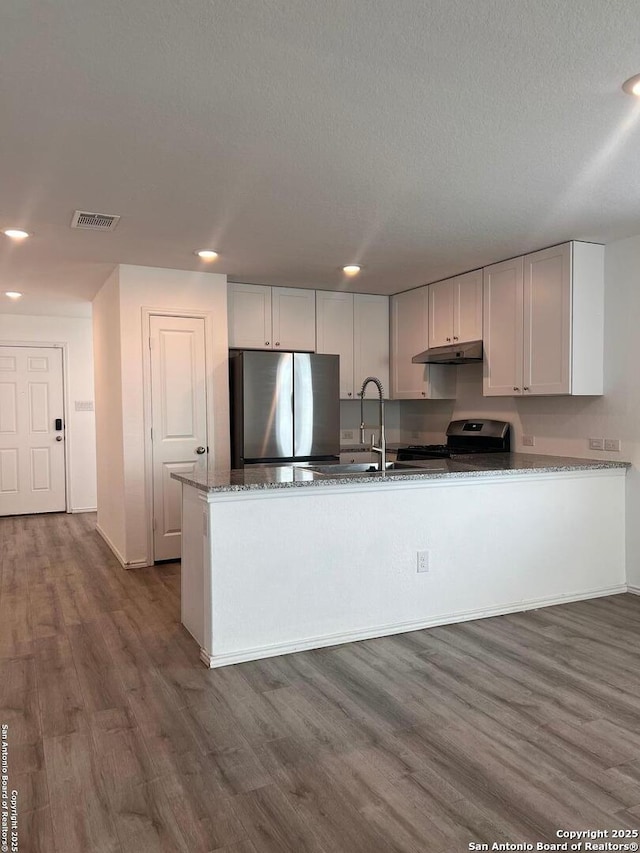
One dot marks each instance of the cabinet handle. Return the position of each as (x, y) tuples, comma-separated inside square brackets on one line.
[(266, 343), (454, 338), (449, 339), (526, 388), (349, 394), (424, 393), (277, 343), (515, 388)]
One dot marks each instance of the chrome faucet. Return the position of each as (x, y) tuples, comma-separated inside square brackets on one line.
[(382, 440)]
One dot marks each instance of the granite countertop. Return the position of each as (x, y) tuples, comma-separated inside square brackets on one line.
[(480, 465)]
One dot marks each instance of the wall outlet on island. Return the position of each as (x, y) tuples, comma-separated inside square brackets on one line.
[(528, 440), (612, 444), (347, 435), (596, 444), (422, 561)]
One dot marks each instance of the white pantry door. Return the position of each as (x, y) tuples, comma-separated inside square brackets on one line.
[(32, 477), (179, 421)]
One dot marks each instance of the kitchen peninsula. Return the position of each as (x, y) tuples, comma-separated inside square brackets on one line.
[(276, 560)]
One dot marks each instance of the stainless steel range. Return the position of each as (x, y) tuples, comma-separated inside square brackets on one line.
[(463, 437)]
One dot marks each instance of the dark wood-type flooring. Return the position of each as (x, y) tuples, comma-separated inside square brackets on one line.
[(503, 729)]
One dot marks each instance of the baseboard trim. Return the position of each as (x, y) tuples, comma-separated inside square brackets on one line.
[(634, 590), (213, 660), (132, 564), (84, 509)]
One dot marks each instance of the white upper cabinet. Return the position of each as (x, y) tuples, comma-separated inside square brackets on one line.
[(409, 336), (440, 309), (370, 340), (547, 321), (249, 312), (355, 327), (467, 307), (271, 317), (293, 312), (334, 331), (543, 322), (455, 310), (502, 329)]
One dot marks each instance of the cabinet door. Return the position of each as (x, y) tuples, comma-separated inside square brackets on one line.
[(467, 307), (249, 312), (293, 318), (441, 296), (502, 328), (547, 321), (334, 333), (370, 340), (409, 336)]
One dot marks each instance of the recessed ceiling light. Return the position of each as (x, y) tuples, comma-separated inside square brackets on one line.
[(351, 269), (632, 85), (16, 233), (13, 294), (206, 254)]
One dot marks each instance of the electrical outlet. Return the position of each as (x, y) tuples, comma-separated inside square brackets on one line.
[(423, 561), (347, 434), (596, 444), (528, 441), (612, 444)]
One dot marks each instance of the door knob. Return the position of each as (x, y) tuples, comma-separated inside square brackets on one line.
[(58, 438), (200, 450)]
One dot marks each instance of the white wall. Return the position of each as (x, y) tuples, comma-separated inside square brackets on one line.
[(108, 383), (139, 289), (562, 425), (76, 333)]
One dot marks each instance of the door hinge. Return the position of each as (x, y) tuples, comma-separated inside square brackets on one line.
[(150, 343), (155, 525), (151, 433)]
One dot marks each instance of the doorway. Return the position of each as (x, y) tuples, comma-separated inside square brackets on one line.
[(178, 421), (32, 446)]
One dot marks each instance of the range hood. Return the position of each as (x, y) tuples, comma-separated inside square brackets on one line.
[(465, 353)]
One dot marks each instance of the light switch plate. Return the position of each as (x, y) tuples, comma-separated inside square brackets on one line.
[(347, 434), (596, 444), (528, 441), (612, 444)]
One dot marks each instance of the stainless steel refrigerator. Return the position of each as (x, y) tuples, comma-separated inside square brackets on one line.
[(285, 407)]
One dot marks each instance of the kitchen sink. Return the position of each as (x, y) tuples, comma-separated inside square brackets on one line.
[(360, 469)]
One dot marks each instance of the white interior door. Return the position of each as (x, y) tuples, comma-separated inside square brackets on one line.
[(32, 477), (179, 421)]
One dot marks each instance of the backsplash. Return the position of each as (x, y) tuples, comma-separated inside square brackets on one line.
[(559, 425), (350, 420)]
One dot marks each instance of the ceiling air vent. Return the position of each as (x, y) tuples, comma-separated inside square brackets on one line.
[(94, 221)]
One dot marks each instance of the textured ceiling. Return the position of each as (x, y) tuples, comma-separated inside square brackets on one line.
[(417, 138)]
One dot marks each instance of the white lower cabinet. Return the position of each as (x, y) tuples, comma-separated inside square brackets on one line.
[(409, 336), (355, 327), (543, 323)]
